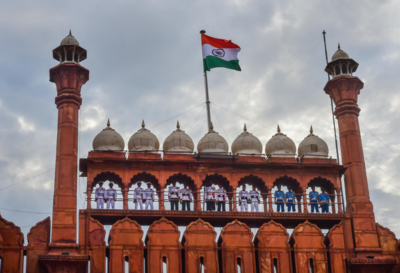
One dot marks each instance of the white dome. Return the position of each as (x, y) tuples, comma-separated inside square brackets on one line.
[(70, 40), (312, 145), (246, 143), (108, 140), (340, 54), (178, 141), (280, 145), (143, 140), (212, 142)]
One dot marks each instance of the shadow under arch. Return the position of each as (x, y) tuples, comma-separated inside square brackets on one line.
[(182, 179), (253, 180), (288, 182), (110, 176), (322, 183), (145, 177), (217, 179)]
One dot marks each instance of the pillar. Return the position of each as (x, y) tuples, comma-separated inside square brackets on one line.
[(339, 200), (89, 197), (271, 209), (305, 209), (197, 200), (161, 199), (125, 192)]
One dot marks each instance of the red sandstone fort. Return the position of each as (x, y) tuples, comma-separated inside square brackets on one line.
[(354, 241)]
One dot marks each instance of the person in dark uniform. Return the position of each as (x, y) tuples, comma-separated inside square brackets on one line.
[(279, 199), (290, 200), (314, 199)]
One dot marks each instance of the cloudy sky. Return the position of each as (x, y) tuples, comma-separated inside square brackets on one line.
[(145, 62)]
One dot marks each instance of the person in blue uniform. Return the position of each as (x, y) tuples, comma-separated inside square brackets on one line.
[(290, 200), (314, 199), (325, 200), (279, 199)]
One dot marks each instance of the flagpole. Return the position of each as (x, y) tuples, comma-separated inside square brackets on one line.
[(207, 97), (334, 126)]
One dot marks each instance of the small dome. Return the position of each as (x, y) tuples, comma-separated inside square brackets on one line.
[(70, 40), (108, 140), (340, 54), (178, 141), (313, 145), (280, 145), (246, 143), (143, 140), (212, 142)]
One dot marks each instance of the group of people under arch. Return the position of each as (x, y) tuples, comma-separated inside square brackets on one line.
[(214, 196)]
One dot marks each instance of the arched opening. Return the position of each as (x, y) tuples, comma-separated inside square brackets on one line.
[(126, 265), (181, 181), (321, 191), (238, 265), (344, 69), (276, 265), (286, 192), (311, 265), (139, 197), (251, 182), (337, 70), (202, 264), (217, 182), (117, 185), (164, 265)]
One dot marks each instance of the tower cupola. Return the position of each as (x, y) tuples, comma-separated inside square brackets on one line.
[(313, 146), (246, 143), (341, 64), (212, 142), (143, 140), (69, 51), (178, 141), (280, 145), (108, 140)]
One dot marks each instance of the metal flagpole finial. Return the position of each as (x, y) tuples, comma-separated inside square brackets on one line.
[(311, 130), (108, 123), (338, 46), (202, 31), (70, 33), (324, 32), (177, 125), (278, 129), (245, 128), (143, 124)]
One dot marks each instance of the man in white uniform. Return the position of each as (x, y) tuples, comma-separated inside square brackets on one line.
[(138, 196), (221, 198), (255, 199), (149, 196), (243, 197), (173, 196), (209, 193), (111, 196), (100, 195), (186, 198)]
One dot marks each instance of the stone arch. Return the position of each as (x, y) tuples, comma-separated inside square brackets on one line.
[(38, 240), (334, 240), (145, 177), (236, 241), (387, 240), (253, 180), (183, 179), (125, 242), (217, 178), (288, 181), (96, 246), (199, 241), (13, 243), (162, 240), (110, 176), (323, 183), (272, 241), (308, 243)]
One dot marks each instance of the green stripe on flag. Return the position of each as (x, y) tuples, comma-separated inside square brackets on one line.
[(211, 62)]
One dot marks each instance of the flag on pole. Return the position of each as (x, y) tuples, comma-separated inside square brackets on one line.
[(219, 53)]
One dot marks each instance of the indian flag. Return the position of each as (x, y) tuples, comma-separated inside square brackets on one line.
[(219, 53)]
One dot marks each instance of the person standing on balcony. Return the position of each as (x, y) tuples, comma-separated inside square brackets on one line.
[(138, 196), (290, 200), (279, 199), (221, 198), (100, 196), (243, 198), (111, 196), (325, 200), (173, 196), (314, 199), (255, 199), (149, 196), (209, 193), (186, 198)]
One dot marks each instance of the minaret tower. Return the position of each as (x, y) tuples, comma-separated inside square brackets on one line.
[(344, 89), (69, 76)]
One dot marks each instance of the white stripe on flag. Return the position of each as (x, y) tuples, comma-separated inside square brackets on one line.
[(229, 54)]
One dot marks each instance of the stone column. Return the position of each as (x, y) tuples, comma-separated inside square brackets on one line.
[(265, 203), (161, 205), (339, 200), (125, 192), (89, 197), (305, 209), (271, 209), (298, 197)]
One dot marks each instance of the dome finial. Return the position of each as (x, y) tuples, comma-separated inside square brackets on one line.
[(311, 130), (177, 125), (70, 32), (278, 129), (338, 46), (211, 126), (108, 123), (245, 128), (143, 124)]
